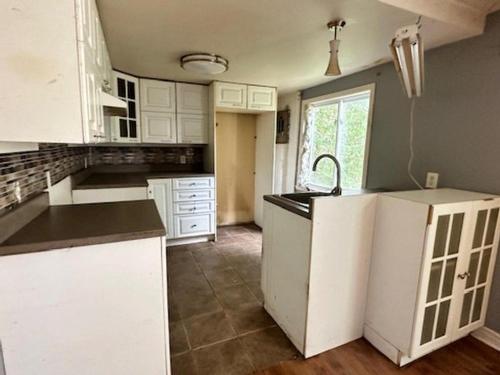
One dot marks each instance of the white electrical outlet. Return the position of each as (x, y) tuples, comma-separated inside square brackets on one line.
[(183, 159), (431, 182)]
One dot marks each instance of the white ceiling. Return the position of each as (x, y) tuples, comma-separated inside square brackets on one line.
[(282, 43)]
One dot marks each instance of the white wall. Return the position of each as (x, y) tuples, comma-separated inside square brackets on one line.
[(286, 154)]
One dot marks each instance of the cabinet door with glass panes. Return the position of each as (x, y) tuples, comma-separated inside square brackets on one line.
[(126, 129), (477, 268), (456, 273)]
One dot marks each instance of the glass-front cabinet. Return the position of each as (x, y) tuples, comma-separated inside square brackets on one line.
[(126, 129), (456, 272), (431, 269)]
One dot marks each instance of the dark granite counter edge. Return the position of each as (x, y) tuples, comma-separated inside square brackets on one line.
[(77, 242), (143, 183), (289, 206)]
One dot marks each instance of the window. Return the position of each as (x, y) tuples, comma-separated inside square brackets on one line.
[(339, 125)]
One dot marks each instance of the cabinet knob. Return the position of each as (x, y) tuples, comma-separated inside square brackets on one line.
[(194, 226), (464, 275), (192, 196)]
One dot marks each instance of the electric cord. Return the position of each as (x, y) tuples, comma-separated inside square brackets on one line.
[(412, 153)]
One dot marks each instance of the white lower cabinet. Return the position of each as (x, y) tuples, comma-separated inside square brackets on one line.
[(431, 271), (158, 127), (96, 309), (186, 205)]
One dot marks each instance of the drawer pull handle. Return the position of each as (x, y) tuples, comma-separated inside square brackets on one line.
[(464, 275), (193, 226), (192, 196), (193, 209), (192, 184)]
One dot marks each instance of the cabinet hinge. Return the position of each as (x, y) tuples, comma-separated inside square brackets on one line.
[(429, 215)]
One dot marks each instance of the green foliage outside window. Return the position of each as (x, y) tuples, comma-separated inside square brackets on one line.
[(340, 129)]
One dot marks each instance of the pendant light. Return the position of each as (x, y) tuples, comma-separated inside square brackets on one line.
[(408, 54), (333, 68)]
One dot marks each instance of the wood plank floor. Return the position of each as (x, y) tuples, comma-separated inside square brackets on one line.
[(467, 356)]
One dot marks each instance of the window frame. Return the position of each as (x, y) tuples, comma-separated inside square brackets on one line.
[(336, 96)]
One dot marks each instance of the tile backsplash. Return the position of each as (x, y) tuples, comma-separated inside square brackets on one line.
[(23, 174)]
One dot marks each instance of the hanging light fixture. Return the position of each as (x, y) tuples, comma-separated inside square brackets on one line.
[(204, 63), (408, 54), (333, 68)]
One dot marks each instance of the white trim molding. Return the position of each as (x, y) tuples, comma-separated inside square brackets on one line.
[(488, 336)]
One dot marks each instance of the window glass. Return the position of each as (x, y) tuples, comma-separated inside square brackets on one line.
[(339, 128)]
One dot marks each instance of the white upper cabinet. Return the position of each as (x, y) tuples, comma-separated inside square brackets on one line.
[(261, 98), (192, 128), (231, 95), (40, 84), (158, 127), (157, 96), (126, 129), (192, 98), (234, 97)]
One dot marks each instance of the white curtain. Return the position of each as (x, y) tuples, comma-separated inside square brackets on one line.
[(304, 167)]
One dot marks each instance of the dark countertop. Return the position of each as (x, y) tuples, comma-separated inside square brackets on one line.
[(98, 180), (85, 224), (306, 212)]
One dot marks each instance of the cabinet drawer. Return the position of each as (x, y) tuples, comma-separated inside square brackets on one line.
[(193, 195), (193, 207), (192, 225), (194, 183)]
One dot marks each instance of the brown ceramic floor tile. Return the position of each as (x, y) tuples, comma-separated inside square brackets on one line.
[(268, 347), (193, 305), (178, 338), (244, 260), (175, 257), (236, 297), (173, 311), (184, 364), (249, 274), (256, 290), (231, 249), (250, 319), (208, 329), (223, 278), (227, 358), (209, 261)]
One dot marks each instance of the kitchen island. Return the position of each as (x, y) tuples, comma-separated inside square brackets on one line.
[(315, 266), (84, 291)]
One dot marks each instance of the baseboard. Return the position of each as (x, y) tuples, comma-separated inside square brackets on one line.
[(190, 240), (488, 336)]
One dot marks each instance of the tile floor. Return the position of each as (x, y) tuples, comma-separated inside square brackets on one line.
[(217, 322)]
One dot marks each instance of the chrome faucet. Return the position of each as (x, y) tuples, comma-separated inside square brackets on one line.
[(337, 190)]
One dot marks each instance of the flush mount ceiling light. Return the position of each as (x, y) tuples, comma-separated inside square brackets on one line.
[(204, 63), (333, 68), (408, 54)]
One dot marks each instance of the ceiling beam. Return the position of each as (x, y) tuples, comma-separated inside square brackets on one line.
[(468, 15)]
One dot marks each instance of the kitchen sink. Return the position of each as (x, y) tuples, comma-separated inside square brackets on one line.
[(303, 198)]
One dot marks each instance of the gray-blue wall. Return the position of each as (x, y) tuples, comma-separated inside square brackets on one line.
[(457, 131)]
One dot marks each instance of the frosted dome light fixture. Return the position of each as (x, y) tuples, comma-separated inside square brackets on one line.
[(204, 63)]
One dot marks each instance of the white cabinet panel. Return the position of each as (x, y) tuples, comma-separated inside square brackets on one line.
[(158, 127), (192, 128), (262, 98), (109, 195), (231, 95), (189, 225), (62, 309), (193, 183), (192, 98), (157, 96), (39, 78), (161, 192), (193, 207), (193, 195)]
